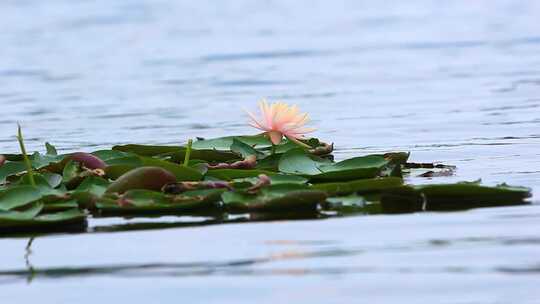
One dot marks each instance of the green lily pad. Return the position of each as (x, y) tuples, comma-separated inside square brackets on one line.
[(230, 174), (403, 199), (68, 216), (54, 180), (93, 185), (28, 214), (177, 153), (287, 145), (360, 186), (89, 191), (459, 195), (70, 172), (11, 168), (119, 166), (243, 149), (276, 179), (152, 202), (14, 157), (41, 161), (28, 221), (224, 143), (51, 150), (130, 160), (277, 198), (53, 199), (258, 142), (60, 205), (296, 161), (18, 196), (448, 197), (269, 163), (48, 193), (182, 173), (299, 184), (110, 155)]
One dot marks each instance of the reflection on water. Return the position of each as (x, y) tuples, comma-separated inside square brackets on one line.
[(453, 82), (497, 246), (242, 268)]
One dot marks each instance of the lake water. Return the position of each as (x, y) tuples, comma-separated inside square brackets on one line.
[(456, 82)]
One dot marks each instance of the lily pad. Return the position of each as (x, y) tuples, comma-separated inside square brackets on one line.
[(53, 199), (109, 155), (360, 186), (70, 172), (27, 221), (448, 197), (182, 173), (28, 214), (276, 179), (152, 202), (54, 180), (93, 185), (269, 163), (243, 149), (60, 205), (296, 161), (258, 142), (235, 174), (277, 198), (11, 168), (287, 145), (130, 160), (89, 191), (467, 195), (51, 150), (177, 153), (224, 143), (230, 174), (18, 196), (41, 161), (48, 192)]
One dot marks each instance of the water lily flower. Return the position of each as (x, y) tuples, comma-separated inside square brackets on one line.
[(278, 120)]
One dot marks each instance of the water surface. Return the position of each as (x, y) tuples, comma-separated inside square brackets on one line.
[(453, 82)]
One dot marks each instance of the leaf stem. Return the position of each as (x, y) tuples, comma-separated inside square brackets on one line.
[(25, 156), (188, 152), (273, 151)]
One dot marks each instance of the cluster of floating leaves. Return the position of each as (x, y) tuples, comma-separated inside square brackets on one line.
[(221, 176)]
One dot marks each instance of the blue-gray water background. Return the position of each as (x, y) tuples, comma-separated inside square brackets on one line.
[(456, 82)]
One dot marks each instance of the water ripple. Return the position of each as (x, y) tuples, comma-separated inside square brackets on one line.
[(285, 54)]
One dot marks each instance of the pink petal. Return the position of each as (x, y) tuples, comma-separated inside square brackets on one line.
[(275, 137), (260, 124), (258, 127)]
